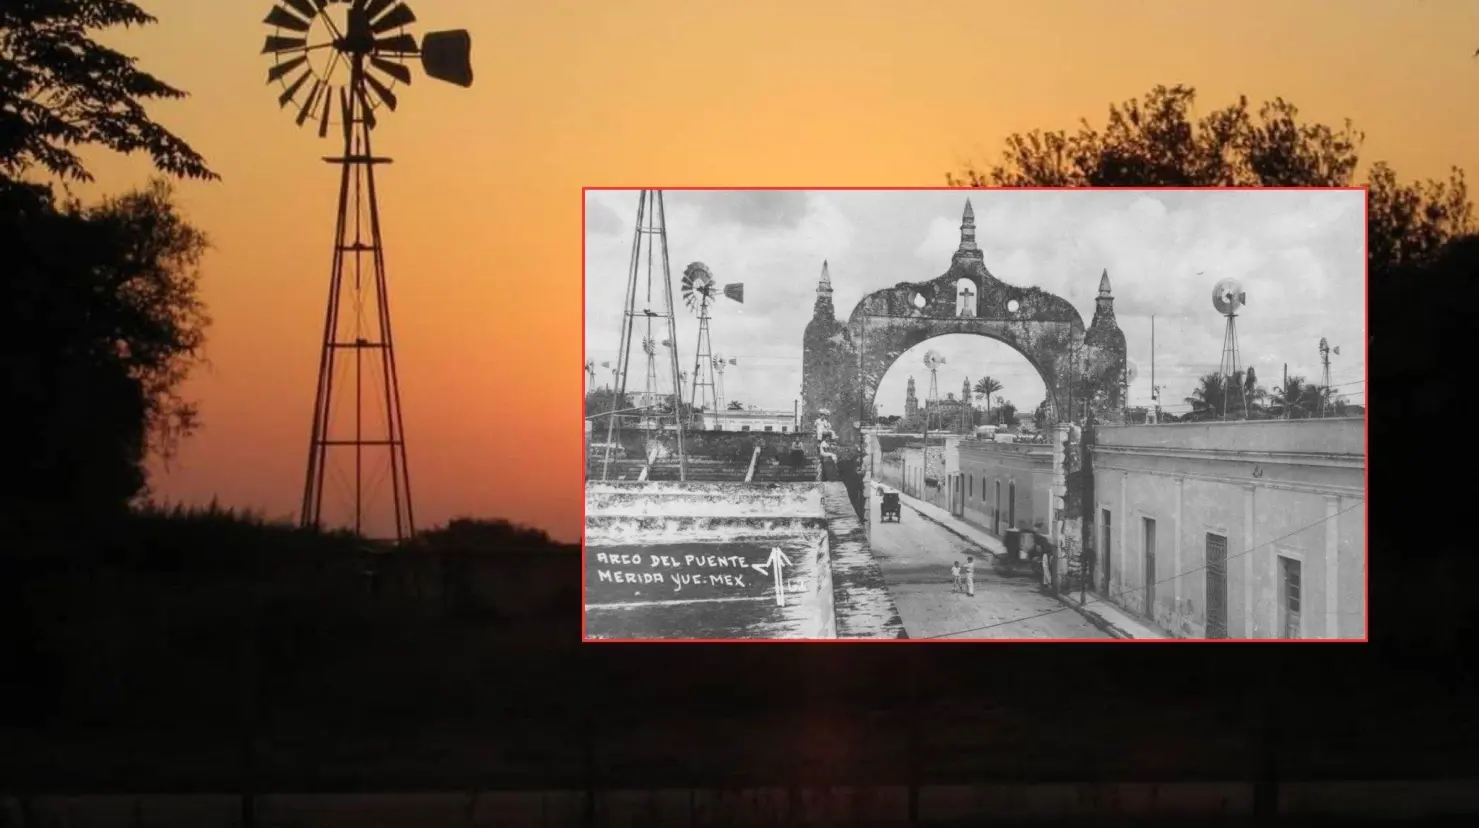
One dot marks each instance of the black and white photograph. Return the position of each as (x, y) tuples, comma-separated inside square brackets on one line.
[(1065, 415)]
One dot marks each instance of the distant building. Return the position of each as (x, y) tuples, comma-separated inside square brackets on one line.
[(750, 419)]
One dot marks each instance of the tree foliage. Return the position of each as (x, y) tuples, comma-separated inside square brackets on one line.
[(60, 89), (1159, 141), (105, 323), (102, 319)]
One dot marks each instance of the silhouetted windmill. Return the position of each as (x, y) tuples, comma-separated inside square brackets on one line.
[(339, 61)]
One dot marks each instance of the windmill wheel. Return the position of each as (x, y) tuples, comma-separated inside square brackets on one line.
[(698, 285)]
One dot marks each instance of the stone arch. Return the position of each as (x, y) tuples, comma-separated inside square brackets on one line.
[(843, 363), (1045, 329)]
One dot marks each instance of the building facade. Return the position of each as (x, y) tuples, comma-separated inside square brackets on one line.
[(1006, 485), (750, 419), (1249, 529)]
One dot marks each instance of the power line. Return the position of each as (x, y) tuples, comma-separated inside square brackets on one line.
[(1154, 583)]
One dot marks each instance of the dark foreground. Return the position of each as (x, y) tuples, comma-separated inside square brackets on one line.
[(257, 677)]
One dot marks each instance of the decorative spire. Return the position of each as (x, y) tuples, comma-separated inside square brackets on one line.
[(968, 248), (823, 308), (1103, 306)]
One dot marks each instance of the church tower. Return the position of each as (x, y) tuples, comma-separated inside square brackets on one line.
[(911, 402)]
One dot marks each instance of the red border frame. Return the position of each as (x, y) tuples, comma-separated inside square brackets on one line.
[(1365, 419)]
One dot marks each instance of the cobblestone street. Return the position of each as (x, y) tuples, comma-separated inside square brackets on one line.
[(915, 556)]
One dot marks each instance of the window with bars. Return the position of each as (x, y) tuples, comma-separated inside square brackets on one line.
[(1289, 606)]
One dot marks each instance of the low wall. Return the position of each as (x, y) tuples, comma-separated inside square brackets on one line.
[(719, 445), (1329, 436), (691, 561)]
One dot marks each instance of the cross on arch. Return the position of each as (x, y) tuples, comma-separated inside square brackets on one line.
[(966, 306)]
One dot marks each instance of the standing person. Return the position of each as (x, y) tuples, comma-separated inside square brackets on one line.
[(970, 576), (955, 576)]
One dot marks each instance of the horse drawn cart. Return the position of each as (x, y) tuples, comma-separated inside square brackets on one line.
[(888, 509)]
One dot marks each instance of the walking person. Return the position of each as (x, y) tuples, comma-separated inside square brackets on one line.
[(955, 576), (970, 577)]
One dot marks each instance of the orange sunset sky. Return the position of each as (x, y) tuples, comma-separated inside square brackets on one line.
[(482, 209)]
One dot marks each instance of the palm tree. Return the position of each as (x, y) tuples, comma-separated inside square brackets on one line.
[(1299, 400), (985, 387), (1213, 391)]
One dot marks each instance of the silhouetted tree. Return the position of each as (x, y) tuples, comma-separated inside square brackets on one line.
[(60, 89), (102, 314), (1158, 141), (736, 405), (104, 323)]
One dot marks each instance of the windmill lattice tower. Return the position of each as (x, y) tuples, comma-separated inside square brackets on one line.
[(339, 62), (720, 406), (1325, 351), (649, 404), (699, 292), (932, 361), (1227, 297), (649, 282)]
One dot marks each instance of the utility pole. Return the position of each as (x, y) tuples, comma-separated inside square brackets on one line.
[(1155, 390), (1285, 391)]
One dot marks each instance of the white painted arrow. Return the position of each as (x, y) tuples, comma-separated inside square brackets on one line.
[(776, 563)]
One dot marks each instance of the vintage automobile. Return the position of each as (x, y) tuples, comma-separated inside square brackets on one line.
[(888, 508)]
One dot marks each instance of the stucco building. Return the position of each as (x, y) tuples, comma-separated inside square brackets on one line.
[(1251, 529), (1005, 485)]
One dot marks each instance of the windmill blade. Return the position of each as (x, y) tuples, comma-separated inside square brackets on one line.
[(307, 9), (391, 68), (284, 19), (381, 91), (275, 44), (736, 292), (401, 44), (287, 94), (277, 71), (397, 17), (374, 8), (447, 56), (310, 102), (323, 121)]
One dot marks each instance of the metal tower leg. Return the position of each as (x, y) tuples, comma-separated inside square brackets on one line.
[(357, 236), (651, 222)]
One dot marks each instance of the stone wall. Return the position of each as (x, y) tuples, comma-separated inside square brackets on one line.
[(652, 549)]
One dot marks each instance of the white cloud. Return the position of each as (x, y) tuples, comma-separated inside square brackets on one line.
[(1298, 254)]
